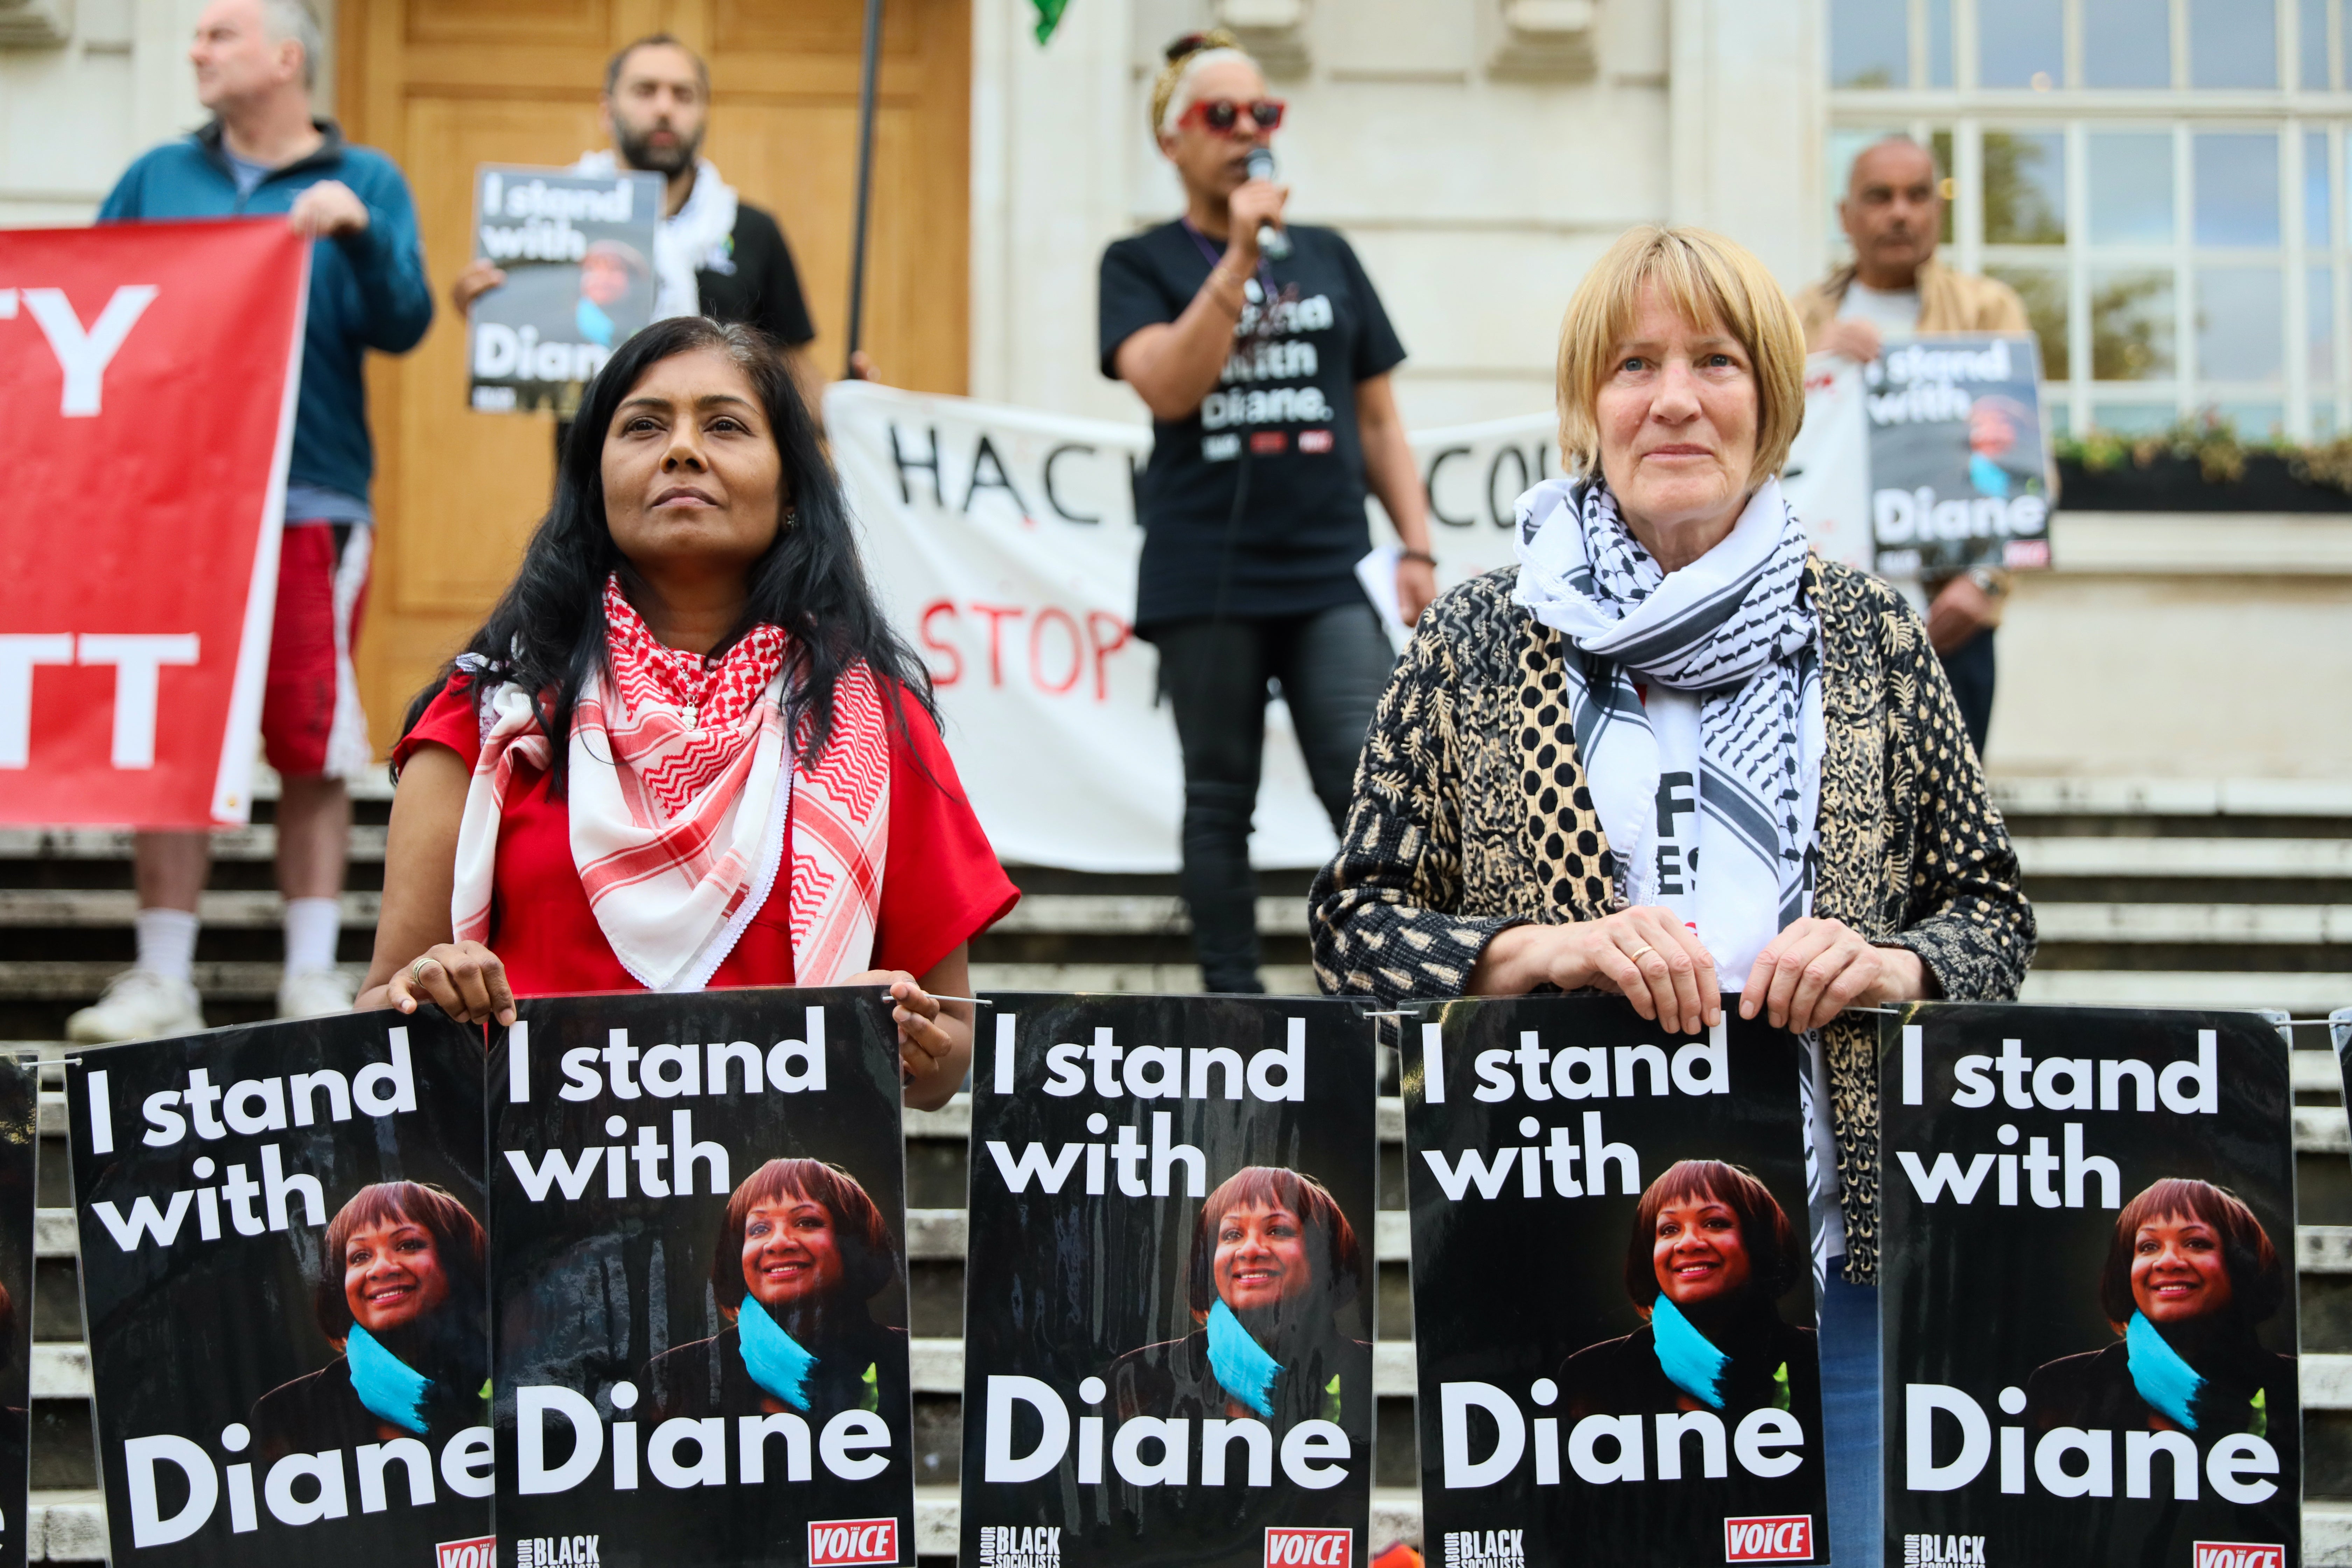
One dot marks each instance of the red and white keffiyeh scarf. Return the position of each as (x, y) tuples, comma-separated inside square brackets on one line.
[(681, 787)]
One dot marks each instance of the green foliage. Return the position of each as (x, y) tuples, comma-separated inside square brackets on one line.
[(2211, 439)]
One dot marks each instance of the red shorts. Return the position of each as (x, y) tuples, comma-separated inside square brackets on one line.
[(311, 726)]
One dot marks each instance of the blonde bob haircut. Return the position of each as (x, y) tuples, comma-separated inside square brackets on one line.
[(1711, 283)]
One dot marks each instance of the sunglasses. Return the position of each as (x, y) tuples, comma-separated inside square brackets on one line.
[(1220, 115)]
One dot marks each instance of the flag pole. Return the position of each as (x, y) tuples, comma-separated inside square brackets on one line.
[(866, 92)]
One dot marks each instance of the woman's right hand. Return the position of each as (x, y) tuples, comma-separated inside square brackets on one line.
[(464, 979), (1646, 955), (1253, 204)]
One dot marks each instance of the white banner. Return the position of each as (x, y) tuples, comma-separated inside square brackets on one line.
[(1827, 479), (1003, 543)]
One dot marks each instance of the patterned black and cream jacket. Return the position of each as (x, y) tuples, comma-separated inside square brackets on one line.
[(1471, 814)]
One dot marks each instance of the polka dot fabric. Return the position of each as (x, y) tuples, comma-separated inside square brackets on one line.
[(1471, 814)]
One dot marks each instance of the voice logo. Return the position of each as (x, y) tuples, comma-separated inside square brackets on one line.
[(1785, 1538), (1288, 1545), (837, 1541), (2237, 1554), (482, 1551)]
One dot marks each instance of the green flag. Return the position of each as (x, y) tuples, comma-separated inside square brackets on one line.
[(1049, 16)]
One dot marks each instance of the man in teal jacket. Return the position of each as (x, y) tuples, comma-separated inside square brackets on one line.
[(264, 152)]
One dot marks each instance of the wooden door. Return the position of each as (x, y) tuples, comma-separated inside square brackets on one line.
[(444, 84)]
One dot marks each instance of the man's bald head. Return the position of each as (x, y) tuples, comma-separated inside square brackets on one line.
[(1893, 212)]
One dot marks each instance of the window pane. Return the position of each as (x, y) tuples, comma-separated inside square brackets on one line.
[(2233, 42), (2126, 43), (2254, 421), (2313, 16), (2316, 186), (2024, 187), (1867, 46), (1939, 43), (2061, 417), (2323, 418), (2131, 325), (2319, 335), (2131, 187), (2237, 187), (2238, 333), (2044, 289), (2133, 418), (2017, 40), (1939, 143)]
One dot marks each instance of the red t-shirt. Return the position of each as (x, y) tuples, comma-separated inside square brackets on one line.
[(940, 883)]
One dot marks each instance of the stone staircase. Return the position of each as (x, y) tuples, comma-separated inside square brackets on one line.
[(2231, 894)]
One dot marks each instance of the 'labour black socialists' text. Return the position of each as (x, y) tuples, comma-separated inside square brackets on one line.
[(247, 1108), (641, 1162), (2012, 1080), (1570, 1160), (1487, 1438), (1113, 1072), (1149, 1450)]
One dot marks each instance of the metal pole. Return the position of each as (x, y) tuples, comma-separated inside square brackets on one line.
[(866, 88)]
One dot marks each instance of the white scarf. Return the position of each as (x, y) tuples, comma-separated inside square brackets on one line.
[(691, 239), (1733, 627)]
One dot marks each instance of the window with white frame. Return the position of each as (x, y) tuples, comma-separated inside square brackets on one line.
[(2163, 181)]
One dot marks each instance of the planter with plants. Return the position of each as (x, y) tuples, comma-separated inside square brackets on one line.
[(2201, 465)]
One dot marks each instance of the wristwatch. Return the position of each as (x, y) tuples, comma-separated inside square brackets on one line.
[(1424, 556), (1987, 579)]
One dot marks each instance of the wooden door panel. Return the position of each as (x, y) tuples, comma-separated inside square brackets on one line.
[(444, 84)]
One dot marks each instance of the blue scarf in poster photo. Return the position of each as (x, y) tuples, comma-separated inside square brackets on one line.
[(1688, 1357), (2169, 1384), (776, 1361), (387, 1385), (1242, 1365)]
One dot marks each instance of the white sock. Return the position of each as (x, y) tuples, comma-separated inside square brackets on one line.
[(311, 927), (167, 942)]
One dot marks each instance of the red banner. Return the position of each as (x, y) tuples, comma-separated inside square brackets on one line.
[(148, 374)]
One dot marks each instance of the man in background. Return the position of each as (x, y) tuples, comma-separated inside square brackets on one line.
[(715, 254), (1893, 290), (264, 152)]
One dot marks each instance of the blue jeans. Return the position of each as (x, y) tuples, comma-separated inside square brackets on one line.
[(1850, 1410)]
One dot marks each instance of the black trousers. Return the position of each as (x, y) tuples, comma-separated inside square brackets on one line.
[(1332, 666), (1970, 667)]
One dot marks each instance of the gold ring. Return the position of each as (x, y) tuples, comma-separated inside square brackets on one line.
[(416, 969), (1638, 952)]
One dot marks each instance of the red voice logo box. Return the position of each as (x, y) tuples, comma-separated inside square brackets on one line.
[(836, 1541), (482, 1551), (1765, 1538), (2237, 1554), (1288, 1546)]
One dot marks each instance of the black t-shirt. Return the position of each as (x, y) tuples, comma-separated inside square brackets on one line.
[(1287, 399), (760, 286)]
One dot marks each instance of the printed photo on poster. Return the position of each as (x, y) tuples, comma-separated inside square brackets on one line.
[(1613, 1311), (2089, 1297), (1959, 470), (699, 1277), (283, 1277), (19, 1103), (578, 253), (1168, 1318)]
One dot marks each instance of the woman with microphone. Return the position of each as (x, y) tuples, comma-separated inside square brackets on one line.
[(1267, 378)]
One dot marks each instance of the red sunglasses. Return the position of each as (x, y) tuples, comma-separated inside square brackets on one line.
[(1220, 115)]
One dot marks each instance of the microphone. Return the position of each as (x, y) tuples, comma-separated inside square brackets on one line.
[(1272, 243)]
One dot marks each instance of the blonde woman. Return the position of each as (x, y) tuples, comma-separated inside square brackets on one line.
[(1673, 754)]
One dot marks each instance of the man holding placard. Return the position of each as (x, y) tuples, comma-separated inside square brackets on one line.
[(1893, 290)]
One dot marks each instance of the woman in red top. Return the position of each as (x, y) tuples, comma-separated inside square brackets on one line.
[(686, 750)]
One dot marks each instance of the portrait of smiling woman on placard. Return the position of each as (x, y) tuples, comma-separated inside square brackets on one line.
[(1274, 1262), (801, 1252), (1711, 1254), (400, 1294), (2190, 1277)]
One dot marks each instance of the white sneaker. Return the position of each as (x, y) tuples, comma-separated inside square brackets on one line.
[(313, 993), (139, 1005)]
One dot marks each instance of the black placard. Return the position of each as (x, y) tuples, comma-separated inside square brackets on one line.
[(18, 1102), (1959, 473), (698, 1280), (578, 253), (283, 1278), (1167, 1194), (1554, 1220), (2029, 1417)]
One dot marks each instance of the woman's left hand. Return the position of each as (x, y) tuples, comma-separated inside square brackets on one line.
[(1817, 968), (1416, 583), (925, 1045)]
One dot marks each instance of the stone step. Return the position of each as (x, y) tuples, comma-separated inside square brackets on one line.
[(2172, 797), (2232, 923), (256, 842), (2304, 993), (113, 906), (2121, 856)]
